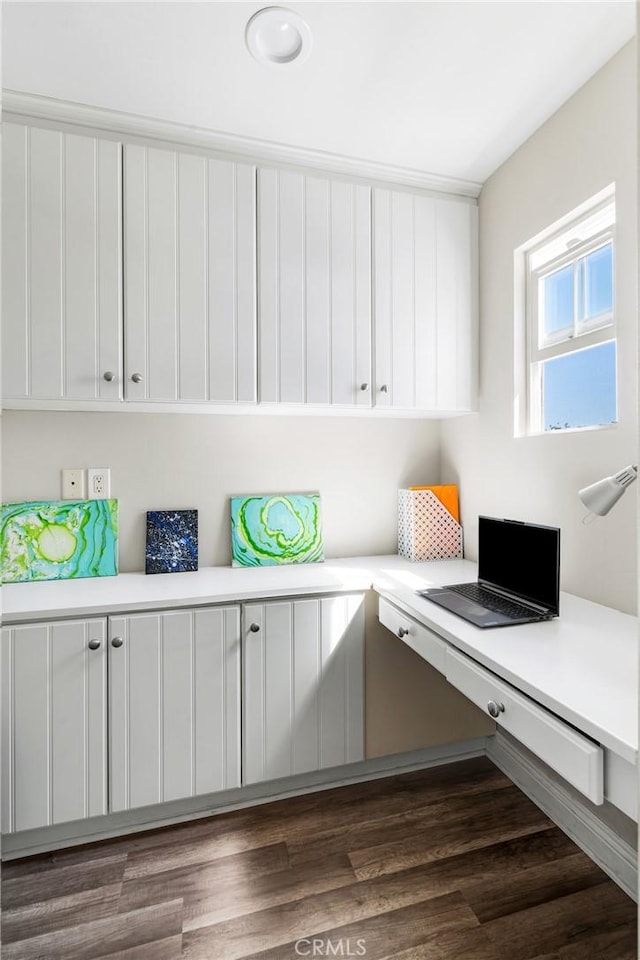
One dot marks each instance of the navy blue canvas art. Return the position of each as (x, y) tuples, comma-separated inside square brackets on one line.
[(172, 541)]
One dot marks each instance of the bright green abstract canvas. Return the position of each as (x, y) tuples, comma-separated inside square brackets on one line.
[(270, 530), (59, 540)]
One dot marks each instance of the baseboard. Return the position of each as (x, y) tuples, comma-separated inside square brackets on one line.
[(29, 842), (599, 840)]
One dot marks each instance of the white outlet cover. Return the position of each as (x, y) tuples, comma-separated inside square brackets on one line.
[(98, 483)]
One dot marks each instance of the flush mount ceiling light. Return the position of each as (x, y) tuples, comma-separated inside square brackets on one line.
[(277, 35)]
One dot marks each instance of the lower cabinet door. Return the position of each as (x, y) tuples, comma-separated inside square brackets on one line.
[(174, 699), (54, 723), (303, 685)]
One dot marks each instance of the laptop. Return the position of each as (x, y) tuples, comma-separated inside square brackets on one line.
[(518, 576)]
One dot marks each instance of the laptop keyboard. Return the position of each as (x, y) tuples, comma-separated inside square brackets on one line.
[(472, 591)]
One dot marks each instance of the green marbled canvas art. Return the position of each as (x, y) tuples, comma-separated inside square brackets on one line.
[(58, 540), (270, 530)]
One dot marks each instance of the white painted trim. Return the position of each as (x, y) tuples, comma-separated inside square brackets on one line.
[(27, 105), (29, 842), (261, 409), (599, 841)]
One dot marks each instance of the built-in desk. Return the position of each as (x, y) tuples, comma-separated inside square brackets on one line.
[(580, 669), (582, 666)]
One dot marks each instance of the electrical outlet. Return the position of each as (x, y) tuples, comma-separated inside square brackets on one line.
[(99, 483), (73, 486)]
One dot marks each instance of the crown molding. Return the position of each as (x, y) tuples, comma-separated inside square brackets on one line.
[(30, 105)]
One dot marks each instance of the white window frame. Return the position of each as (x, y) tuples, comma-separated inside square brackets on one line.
[(584, 231)]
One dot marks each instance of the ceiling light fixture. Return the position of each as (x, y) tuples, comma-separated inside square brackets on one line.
[(277, 35)]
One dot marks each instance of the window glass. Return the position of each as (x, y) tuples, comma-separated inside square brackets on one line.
[(579, 388), (558, 301), (597, 285)]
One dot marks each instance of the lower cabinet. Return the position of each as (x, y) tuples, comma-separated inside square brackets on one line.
[(303, 685), (54, 723), (116, 713), (174, 705)]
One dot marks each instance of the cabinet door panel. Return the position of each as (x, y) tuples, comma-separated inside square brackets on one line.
[(314, 289), (175, 711), (45, 228), (192, 361), (190, 277), (16, 379), (456, 281), (341, 684), (61, 247), (425, 282), (54, 724), (303, 686)]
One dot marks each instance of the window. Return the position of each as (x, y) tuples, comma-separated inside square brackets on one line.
[(570, 341)]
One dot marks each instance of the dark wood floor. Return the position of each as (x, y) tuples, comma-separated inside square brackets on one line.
[(454, 863)]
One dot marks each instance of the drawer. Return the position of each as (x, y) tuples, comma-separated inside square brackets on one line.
[(576, 758), (426, 643)]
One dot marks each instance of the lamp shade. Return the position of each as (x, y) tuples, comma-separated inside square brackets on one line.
[(601, 496)]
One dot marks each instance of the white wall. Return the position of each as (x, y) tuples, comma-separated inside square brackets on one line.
[(589, 143), (173, 461)]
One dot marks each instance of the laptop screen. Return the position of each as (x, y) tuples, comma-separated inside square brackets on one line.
[(523, 558)]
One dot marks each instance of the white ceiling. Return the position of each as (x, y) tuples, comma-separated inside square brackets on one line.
[(448, 88)]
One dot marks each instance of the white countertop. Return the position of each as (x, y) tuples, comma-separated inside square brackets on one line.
[(583, 666)]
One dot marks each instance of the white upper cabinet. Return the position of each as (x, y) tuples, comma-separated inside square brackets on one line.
[(61, 265), (314, 293), (425, 302), (145, 274), (190, 268)]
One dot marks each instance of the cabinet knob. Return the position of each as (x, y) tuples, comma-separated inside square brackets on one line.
[(364, 386), (255, 627), (384, 388), (117, 642), (109, 376), (495, 709), (402, 632), (94, 644), (136, 377)]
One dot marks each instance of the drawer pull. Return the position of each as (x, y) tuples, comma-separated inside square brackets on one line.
[(117, 642), (94, 644), (495, 709), (255, 627), (402, 632)]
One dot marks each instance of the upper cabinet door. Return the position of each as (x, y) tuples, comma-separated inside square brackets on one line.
[(61, 266), (426, 303), (190, 265), (314, 292)]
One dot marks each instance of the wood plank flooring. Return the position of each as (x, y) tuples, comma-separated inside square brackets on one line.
[(453, 863)]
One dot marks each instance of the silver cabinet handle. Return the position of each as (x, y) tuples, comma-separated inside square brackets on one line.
[(402, 632), (94, 644), (384, 388), (117, 642), (255, 627), (136, 377), (364, 386), (109, 376), (495, 709)]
